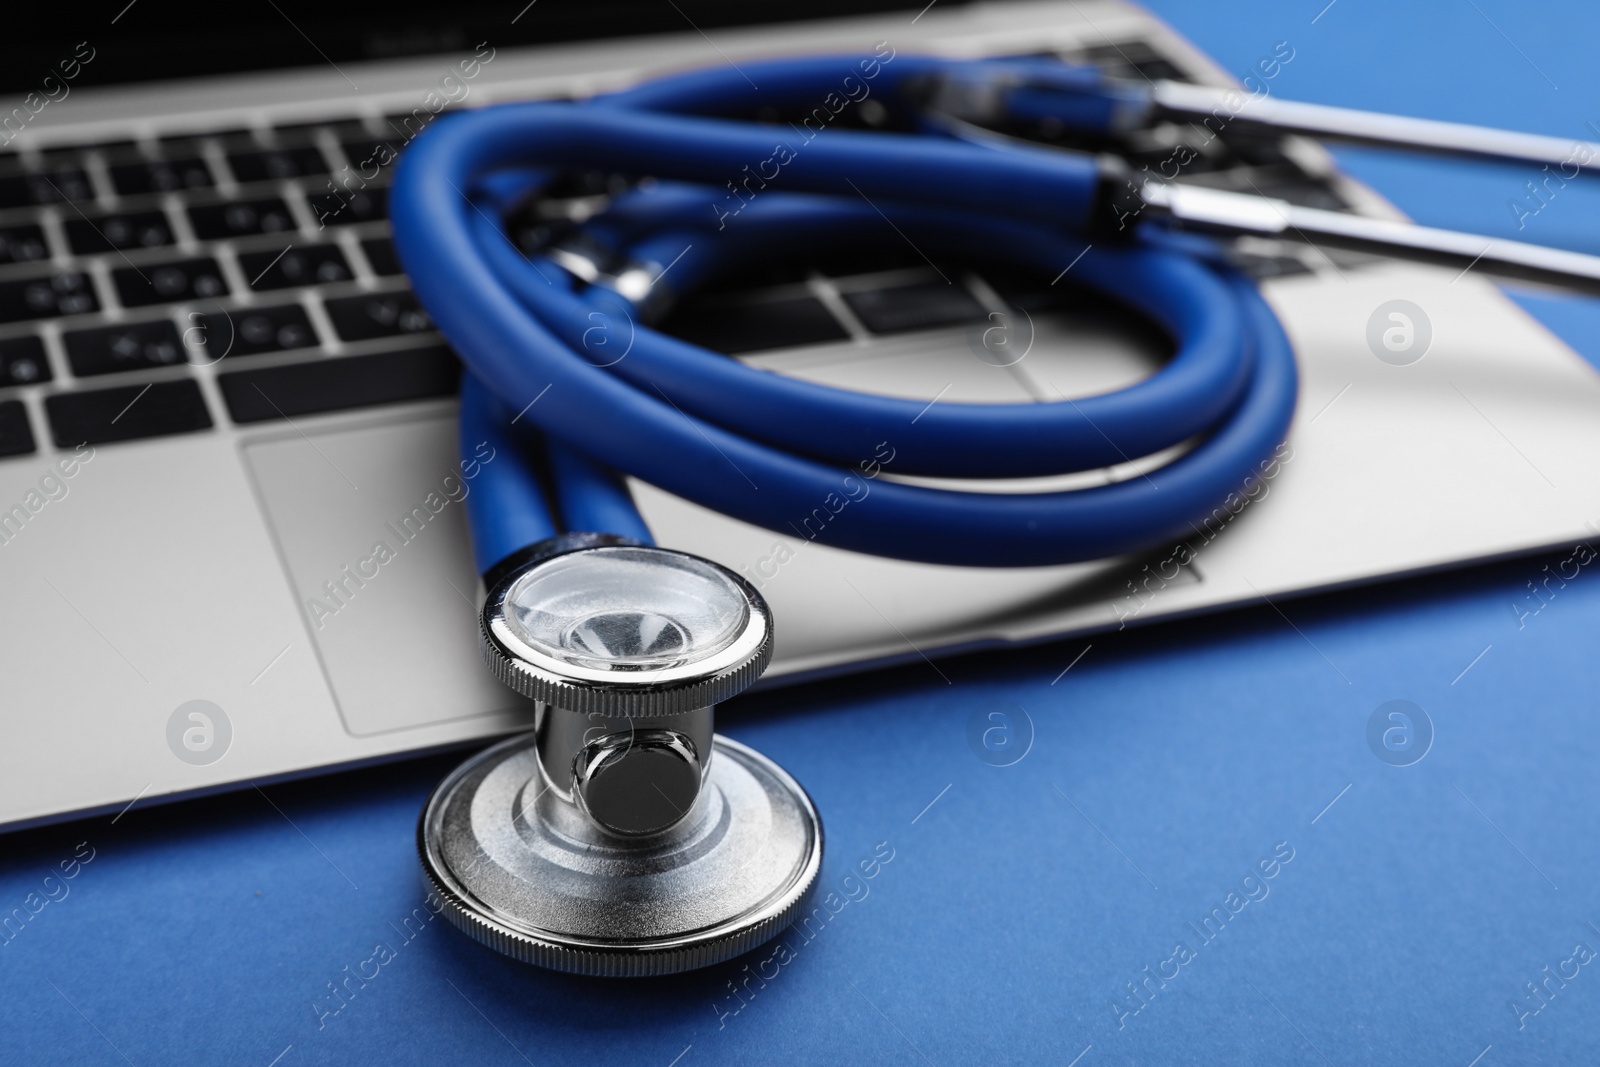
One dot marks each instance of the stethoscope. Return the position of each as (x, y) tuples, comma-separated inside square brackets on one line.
[(623, 836)]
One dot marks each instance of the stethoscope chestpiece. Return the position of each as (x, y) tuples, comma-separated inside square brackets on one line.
[(621, 837)]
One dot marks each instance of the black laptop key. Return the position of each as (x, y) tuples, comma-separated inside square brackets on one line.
[(406, 125), (16, 436), (361, 318), (22, 361), (164, 176), (336, 209), (126, 413), (337, 384), (753, 325), (240, 218), (117, 233), (381, 257), (125, 346), (22, 244), (251, 331), (45, 187), (183, 143), (915, 307), (165, 283), (274, 164), (306, 265), (297, 132), (182, 147), (67, 293), (370, 154)]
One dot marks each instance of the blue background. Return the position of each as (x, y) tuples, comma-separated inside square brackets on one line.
[(1165, 765)]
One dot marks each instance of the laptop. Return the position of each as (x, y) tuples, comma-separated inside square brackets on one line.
[(218, 394)]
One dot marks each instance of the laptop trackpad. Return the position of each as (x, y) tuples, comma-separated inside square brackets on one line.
[(370, 525)]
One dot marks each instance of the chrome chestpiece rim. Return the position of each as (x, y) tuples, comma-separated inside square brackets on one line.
[(520, 873), (621, 837), (584, 610), (624, 629)]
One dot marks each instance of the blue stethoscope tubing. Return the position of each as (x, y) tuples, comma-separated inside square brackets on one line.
[(768, 449)]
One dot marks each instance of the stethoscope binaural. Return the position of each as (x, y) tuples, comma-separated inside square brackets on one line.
[(623, 836)]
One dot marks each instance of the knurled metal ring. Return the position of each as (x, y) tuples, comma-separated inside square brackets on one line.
[(671, 690), (622, 958)]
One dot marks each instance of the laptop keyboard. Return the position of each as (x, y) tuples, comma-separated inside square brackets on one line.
[(125, 265)]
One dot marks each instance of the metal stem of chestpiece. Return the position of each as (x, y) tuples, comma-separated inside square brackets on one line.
[(623, 837), (629, 743), (633, 777)]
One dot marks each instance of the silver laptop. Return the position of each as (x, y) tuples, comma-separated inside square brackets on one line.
[(217, 396)]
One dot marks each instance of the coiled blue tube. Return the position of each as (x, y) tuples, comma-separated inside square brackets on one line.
[(507, 504), (613, 393)]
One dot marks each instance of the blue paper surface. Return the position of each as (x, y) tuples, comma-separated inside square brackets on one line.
[(1104, 899)]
